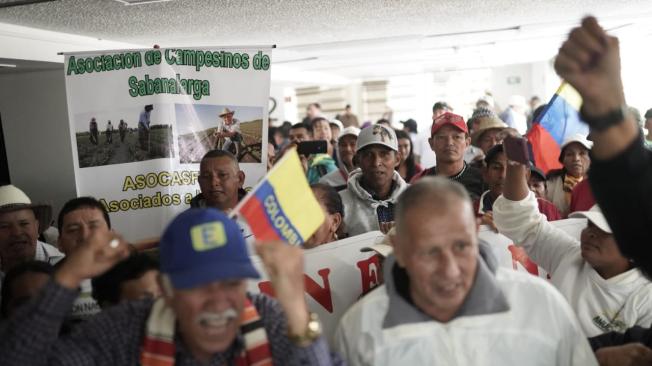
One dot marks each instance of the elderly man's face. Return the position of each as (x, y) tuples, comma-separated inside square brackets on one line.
[(209, 315), (228, 118), (79, 225), (440, 254), (18, 235), (219, 180)]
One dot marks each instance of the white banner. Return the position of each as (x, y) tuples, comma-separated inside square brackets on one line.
[(338, 274), (141, 120)]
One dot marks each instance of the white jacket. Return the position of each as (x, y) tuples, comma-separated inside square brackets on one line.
[(537, 328), (601, 305), (555, 193), (360, 207)]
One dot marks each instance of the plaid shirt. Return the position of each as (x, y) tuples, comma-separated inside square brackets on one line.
[(114, 337)]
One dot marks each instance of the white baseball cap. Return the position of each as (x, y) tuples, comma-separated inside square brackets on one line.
[(337, 123), (377, 135), (351, 130), (595, 216)]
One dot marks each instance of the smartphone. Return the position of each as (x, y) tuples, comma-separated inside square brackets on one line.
[(516, 150), (312, 147)]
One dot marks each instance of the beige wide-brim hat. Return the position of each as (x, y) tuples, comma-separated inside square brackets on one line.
[(487, 123), (226, 111), (13, 199)]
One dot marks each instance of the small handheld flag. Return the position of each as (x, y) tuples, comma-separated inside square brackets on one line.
[(282, 206), (559, 120)]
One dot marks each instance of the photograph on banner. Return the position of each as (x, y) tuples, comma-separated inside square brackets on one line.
[(202, 127), (122, 135)]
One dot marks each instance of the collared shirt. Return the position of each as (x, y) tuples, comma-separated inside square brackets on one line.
[(114, 337)]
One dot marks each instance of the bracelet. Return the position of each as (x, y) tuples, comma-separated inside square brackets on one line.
[(312, 332), (603, 122)]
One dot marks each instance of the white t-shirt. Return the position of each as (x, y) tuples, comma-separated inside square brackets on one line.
[(601, 305), (423, 149)]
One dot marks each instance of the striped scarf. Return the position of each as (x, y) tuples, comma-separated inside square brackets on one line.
[(158, 345)]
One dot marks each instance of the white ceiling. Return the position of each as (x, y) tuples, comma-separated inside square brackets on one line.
[(353, 39)]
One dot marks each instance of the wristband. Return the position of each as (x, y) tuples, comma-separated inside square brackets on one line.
[(603, 122)]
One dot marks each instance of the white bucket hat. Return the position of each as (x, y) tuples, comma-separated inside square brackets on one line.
[(13, 199), (595, 216)]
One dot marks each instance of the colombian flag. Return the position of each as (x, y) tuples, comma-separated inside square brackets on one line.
[(558, 120), (282, 206)]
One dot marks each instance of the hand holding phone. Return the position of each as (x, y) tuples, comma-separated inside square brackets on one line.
[(312, 147), (516, 150)]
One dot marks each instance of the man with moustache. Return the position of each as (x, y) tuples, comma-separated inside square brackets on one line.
[(206, 315)]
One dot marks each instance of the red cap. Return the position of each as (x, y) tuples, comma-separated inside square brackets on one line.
[(449, 118)]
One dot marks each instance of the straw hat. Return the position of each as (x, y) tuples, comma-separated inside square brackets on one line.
[(226, 111), (486, 123)]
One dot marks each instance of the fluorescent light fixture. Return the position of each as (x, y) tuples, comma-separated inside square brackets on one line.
[(140, 2), (8, 65)]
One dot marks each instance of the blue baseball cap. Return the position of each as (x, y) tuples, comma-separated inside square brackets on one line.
[(202, 245)]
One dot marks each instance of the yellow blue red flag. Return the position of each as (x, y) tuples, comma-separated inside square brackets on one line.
[(282, 206)]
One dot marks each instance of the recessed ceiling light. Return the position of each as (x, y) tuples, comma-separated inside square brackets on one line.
[(140, 2), (7, 65)]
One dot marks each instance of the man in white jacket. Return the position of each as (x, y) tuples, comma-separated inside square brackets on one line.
[(445, 302), (373, 189), (601, 285)]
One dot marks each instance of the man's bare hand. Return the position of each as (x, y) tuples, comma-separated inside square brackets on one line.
[(284, 266), (590, 61), (632, 354), (92, 258)]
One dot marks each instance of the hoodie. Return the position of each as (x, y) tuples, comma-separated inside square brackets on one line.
[(362, 212)]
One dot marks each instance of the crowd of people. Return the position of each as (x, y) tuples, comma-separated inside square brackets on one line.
[(90, 298)]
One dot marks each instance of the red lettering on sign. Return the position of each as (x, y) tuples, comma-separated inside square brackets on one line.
[(370, 273), (519, 255), (320, 294)]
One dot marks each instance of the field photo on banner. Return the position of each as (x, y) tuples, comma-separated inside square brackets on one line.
[(98, 145), (202, 128), (167, 107)]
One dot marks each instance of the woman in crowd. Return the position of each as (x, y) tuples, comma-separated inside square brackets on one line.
[(332, 228), (576, 161), (408, 168)]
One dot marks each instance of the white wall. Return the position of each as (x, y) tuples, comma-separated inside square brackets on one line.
[(34, 116)]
